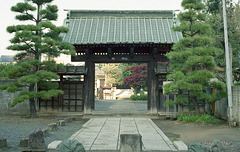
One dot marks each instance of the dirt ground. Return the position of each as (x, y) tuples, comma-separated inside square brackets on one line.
[(191, 133)]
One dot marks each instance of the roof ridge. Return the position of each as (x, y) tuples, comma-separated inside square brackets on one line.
[(113, 17), (92, 10)]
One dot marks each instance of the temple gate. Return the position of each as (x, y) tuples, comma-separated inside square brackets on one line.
[(121, 37)]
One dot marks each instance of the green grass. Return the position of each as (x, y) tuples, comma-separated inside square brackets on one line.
[(204, 118), (26, 117)]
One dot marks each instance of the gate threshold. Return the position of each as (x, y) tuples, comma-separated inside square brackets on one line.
[(120, 114)]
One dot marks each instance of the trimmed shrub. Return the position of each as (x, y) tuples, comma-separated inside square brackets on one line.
[(133, 97), (143, 97), (140, 98)]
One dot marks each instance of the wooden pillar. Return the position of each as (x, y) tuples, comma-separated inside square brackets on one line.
[(167, 108), (89, 87), (175, 107), (109, 53), (131, 52), (60, 103), (153, 88), (161, 99)]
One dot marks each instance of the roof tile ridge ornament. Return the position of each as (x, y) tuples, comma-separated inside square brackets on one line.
[(175, 18), (68, 13), (176, 23)]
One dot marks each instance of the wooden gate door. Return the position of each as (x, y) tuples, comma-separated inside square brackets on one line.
[(72, 99)]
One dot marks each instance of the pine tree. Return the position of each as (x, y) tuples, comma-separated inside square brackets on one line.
[(37, 36), (192, 58)]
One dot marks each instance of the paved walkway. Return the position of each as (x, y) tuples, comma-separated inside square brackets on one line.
[(104, 134), (120, 106)]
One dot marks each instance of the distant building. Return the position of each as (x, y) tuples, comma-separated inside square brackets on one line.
[(7, 59)]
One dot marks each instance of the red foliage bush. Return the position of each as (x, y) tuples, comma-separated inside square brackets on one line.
[(138, 76)]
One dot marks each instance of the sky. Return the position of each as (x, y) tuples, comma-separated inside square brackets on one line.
[(8, 17)]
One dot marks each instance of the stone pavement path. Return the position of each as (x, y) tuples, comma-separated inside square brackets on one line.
[(120, 106), (104, 134)]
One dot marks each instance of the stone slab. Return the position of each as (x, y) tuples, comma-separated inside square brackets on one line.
[(36, 140), (130, 143), (3, 143), (24, 142)]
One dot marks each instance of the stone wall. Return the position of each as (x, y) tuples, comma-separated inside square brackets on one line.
[(221, 108), (236, 104), (6, 99)]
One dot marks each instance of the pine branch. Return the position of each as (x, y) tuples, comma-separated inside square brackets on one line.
[(196, 33), (34, 51), (221, 78), (185, 33), (33, 18)]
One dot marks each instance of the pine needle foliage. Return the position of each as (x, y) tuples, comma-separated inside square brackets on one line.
[(192, 58), (35, 37)]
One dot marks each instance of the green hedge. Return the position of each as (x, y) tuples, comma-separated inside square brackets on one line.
[(141, 97), (204, 118)]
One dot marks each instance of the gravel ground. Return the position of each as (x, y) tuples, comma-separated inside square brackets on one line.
[(191, 133), (15, 128)]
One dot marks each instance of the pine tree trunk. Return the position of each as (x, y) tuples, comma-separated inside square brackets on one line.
[(33, 112), (204, 106), (135, 90), (196, 106)]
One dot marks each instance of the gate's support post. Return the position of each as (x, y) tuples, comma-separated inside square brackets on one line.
[(89, 87), (60, 97), (175, 108), (153, 88), (167, 108)]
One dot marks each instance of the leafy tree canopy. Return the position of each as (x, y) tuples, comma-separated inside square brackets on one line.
[(113, 73)]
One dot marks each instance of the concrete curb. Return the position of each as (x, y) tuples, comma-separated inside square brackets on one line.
[(180, 145), (54, 145), (61, 123), (52, 127), (45, 132)]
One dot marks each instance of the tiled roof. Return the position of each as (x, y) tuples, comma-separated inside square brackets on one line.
[(115, 27), (6, 58)]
